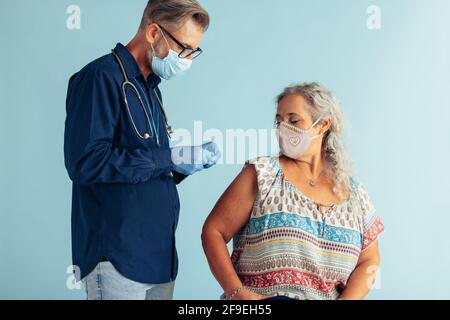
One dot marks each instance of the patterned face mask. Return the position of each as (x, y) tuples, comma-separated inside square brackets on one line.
[(293, 141)]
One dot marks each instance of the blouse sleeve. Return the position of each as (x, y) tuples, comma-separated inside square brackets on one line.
[(372, 224), (265, 174)]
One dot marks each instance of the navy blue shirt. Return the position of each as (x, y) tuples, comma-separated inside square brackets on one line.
[(125, 204)]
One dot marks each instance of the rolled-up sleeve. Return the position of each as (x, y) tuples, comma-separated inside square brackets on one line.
[(90, 156), (372, 224)]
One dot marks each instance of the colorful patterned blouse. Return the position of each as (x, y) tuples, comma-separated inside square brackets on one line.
[(291, 248)]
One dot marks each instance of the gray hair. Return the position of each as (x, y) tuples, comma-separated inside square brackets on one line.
[(174, 13), (323, 104)]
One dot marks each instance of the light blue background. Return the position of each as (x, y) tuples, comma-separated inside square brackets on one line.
[(394, 85)]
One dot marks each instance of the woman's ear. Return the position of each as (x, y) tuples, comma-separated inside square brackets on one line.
[(326, 125)]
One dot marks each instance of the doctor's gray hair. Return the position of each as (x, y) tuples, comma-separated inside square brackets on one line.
[(323, 104), (173, 14)]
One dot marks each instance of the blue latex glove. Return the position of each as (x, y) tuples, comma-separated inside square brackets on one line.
[(192, 159)]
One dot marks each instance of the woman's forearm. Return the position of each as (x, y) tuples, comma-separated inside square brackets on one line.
[(219, 261), (361, 281)]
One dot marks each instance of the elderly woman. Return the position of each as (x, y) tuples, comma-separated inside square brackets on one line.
[(304, 228)]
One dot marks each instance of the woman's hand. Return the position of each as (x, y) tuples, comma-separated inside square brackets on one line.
[(246, 294), (362, 279)]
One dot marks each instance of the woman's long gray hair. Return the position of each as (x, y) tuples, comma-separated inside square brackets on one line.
[(324, 104)]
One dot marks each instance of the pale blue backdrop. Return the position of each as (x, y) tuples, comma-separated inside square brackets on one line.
[(393, 82)]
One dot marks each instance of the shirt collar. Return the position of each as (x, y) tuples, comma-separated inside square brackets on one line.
[(132, 68), (153, 80)]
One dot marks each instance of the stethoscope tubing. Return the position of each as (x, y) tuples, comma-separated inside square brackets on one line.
[(126, 83)]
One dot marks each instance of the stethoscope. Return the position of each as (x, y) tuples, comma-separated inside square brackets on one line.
[(128, 85)]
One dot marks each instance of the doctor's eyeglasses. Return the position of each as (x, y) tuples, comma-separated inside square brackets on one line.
[(185, 52)]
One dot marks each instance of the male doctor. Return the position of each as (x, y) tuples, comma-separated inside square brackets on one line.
[(125, 204)]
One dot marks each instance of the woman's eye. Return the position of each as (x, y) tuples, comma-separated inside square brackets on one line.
[(294, 121)]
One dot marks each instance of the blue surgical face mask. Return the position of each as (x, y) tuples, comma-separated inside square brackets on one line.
[(171, 65)]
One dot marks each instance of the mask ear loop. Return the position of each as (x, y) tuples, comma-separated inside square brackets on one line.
[(315, 123), (165, 39), (153, 50)]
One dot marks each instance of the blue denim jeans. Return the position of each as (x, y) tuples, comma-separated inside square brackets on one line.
[(106, 283)]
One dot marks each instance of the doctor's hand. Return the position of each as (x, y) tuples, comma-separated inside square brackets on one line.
[(192, 159)]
